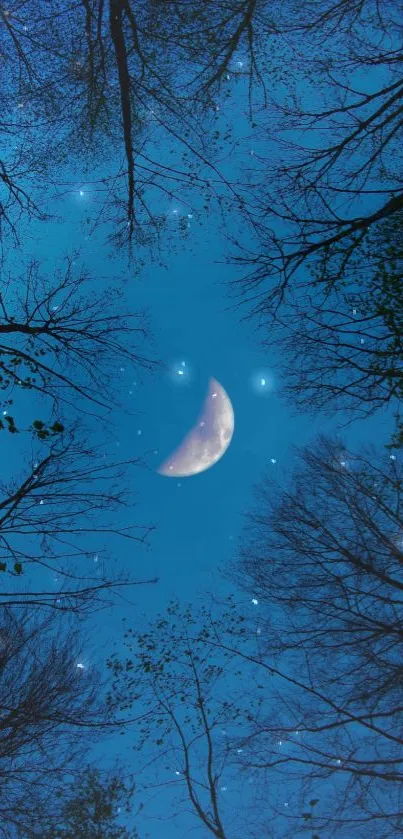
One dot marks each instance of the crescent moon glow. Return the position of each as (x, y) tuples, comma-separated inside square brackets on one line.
[(207, 441)]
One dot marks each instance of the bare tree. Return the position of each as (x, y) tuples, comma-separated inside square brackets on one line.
[(323, 560), (192, 706), (117, 75), (65, 515), (334, 170), (59, 338), (344, 350), (52, 712)]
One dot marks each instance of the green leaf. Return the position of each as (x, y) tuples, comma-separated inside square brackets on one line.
[(3, 566), (38, 424), (18, 567)]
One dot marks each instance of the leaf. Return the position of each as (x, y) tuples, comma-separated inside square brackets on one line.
[(313, 801), (57, 427), (18, 567), (3, 566), (38, 424)]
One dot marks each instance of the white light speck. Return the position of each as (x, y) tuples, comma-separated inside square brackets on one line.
[(224, 789), (354, 311), (177, 773), (122, 369), (239, 751), (263, 382), (190, 215), (171, 466), (273, 460), (255, 601), (361, 340), (286, 804), (338, 761), (139, 431), (279, 742), (228, 77), (4, 413), (202, 423), (180, 372), (81, 192), (96, 557), (213, 395), (41, 501), (393, 457), (80, 666), (258, 631)]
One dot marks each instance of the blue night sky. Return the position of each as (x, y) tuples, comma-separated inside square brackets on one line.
[(198, 520)]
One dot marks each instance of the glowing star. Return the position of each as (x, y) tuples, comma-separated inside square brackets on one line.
[(255, 601), (81, 192), (80, 666), (262, 381)]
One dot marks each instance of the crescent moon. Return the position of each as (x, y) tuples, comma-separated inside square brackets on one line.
[(207, 441)]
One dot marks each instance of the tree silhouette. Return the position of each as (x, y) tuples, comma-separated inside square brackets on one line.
[(89, 809), (333, 173), (99, 76), (324, 561), (60, 341), (343, 350), (181, 745), (52, 712), (56, 516)]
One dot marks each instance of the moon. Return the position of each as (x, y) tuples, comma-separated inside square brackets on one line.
[(207, 441)]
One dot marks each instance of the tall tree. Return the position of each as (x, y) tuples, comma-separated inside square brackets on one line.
[(133, 77), (323, 560), (65, 515), (334, 170), (52, 330), (192, 697), (344, 349), (52, 712)]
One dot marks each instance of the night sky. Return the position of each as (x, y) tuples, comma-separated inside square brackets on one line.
[(196, 329)]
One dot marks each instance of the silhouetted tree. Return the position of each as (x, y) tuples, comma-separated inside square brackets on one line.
[(63, 342), (189, 695), (52, 712), (334, 169), (344, 350), (324, 562), (89, 809), (56, 517), (126, 78)]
